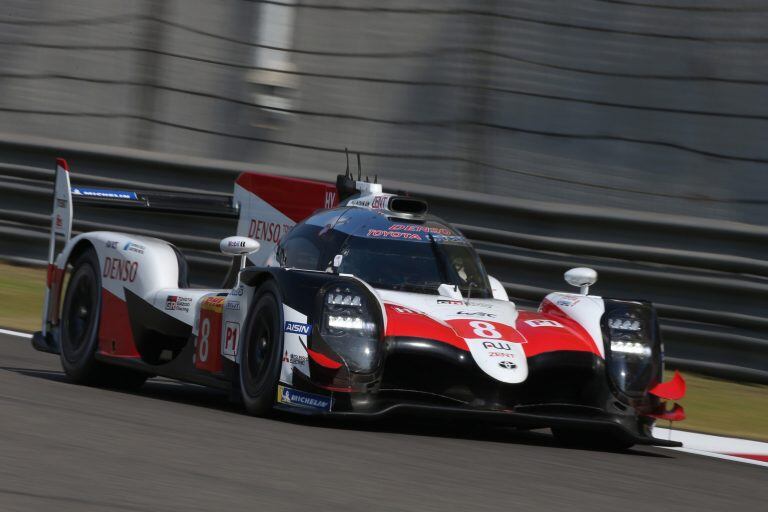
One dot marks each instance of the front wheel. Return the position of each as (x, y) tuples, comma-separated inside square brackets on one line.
[(79, 330), (262, 347)]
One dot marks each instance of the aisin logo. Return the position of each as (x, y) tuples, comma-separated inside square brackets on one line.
[(507, 365)]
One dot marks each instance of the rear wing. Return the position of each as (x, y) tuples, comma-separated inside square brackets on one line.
[(61, 225), (270, 206)]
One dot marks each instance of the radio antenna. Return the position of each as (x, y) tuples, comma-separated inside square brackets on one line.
[(375, 178), (359, 169), (346, 153)]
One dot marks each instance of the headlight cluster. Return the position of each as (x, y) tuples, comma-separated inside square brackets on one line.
[(633, 357), (350, 328)]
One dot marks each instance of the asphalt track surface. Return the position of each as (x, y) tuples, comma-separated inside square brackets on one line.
[(181, 447)]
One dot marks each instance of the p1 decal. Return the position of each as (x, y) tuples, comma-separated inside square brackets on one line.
[(296, 398), (207, 355), (231, 337)]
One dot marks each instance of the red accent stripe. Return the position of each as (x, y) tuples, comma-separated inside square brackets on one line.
[(55, 280), (115, 333), (296, 198), (404, 321), (761, 458), (49, 274), (62, 163), (542, 338), (323, 360)]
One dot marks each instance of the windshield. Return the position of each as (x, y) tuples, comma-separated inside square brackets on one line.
[(415, 266)]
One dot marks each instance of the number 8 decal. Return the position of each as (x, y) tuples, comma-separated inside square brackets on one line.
[(485, 329), (206, 331)]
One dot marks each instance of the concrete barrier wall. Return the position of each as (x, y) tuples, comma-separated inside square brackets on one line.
[(644, 106)]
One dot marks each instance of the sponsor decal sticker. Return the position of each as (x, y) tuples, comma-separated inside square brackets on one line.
[(267, 231), (111, 244), (507, 365), (119, 269), (298, 328), (214, 304), (104, 193), (476, 313), (294, 359), (381, 233), (133, 247), (330, 199), (178, 303), (62, 203), (421, 229), (237, 292), (379, 202), (453, 302), (497, 345), (235, 306), (543, 323), (500, 354), (289, 396), (231, 336)]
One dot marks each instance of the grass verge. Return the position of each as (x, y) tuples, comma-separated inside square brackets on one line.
[(713, 406), (21, 297)]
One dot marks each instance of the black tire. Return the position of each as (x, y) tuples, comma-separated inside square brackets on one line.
[(590, 440), (262, 351), (79, 330)]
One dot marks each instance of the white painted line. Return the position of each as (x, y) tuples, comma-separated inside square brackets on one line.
[(718, 447), (721, 456), (16, 333)]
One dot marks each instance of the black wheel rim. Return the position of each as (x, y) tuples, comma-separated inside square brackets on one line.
[(79, 316), (261, 348)]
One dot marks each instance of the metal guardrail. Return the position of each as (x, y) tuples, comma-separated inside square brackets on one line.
[(706, 278)]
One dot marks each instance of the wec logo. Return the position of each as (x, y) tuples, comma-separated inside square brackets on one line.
[(298, 328)]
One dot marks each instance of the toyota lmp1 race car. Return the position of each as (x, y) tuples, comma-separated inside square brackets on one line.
[(343, 300)]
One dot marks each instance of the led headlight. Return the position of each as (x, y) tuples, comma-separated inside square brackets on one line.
[(633, 355), (349, 326)]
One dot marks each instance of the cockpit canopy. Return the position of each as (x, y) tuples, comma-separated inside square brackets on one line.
[(389, 253)]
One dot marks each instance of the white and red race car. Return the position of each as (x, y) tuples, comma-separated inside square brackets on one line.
[(345, 300)]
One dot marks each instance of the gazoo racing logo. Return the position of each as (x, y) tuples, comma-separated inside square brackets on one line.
[(119, 269), (298, 328)]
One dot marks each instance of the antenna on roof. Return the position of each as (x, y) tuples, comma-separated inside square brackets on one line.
[(359, 169), (346, 153), (375, 178)]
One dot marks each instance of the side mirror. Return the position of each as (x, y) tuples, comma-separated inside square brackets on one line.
[(497, 289), (238, 245), (582, 277)]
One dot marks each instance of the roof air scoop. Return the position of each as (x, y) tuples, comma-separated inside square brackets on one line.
[(407, 205)]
